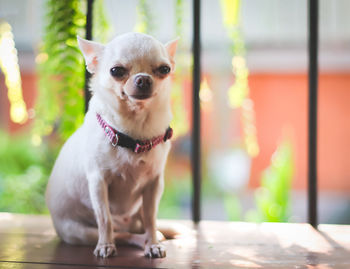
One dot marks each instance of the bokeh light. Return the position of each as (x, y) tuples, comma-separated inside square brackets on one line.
[(9, 65)]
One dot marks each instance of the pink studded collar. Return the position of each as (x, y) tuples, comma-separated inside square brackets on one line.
[(119, 139)]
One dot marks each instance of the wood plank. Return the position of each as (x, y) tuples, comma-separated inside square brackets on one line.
[(211, 244), (23, 265)]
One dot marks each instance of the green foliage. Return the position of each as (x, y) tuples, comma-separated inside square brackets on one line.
[(179, 9), (60, 101), (60, 104), (24, 170), (101, 26), (232, 206), (145, 22), (272, 198), (176, 196), (179, 122)]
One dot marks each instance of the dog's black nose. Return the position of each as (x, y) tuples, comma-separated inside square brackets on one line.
[(143, 82)]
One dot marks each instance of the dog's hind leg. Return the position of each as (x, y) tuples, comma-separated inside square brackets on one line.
[(76, 233), (125, 238), (138, 240)]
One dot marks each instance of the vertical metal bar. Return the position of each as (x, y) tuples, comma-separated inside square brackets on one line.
[(312, 135), (88, 36), (196, 139)]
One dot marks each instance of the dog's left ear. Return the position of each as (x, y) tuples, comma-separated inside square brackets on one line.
[(92, 52), (171, 48)]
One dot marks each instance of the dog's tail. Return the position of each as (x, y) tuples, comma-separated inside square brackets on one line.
[(172, 230)]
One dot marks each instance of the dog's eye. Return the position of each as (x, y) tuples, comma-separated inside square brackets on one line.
[(164, 69), (118, 72)]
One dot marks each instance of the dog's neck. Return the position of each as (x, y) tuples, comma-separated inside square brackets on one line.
[(140, 121)]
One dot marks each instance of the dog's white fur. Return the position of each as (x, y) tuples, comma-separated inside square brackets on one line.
[(98, 194)]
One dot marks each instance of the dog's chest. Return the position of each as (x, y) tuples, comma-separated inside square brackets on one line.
[(122, 162), (127, 174), (130, 173), (126, 185), (125, 165)]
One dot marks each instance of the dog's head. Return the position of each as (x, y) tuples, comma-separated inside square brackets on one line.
[(134, 67)]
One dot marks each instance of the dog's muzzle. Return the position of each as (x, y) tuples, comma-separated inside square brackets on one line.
[(143, 87)]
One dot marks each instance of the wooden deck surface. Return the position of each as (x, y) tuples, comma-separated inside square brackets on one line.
[(30, 242)]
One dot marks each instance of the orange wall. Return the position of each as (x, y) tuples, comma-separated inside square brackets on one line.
[(281, 101)]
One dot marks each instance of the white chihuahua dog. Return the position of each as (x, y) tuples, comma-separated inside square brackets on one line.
[(107, 181)]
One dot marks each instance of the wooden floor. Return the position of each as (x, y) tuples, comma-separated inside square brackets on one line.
[(30, 242)]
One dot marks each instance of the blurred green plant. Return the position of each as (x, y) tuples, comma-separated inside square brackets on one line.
[(179, 122), (102, 29), (239, 98), (238, 93), (232, 206), (272, 198), (175, 198), (145, 21), (26, 162), (60, 102), (24, 170)]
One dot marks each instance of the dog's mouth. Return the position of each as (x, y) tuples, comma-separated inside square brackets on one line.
[(137, 96), (141, 96)]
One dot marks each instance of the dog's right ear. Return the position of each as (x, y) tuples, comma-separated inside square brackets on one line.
[(92, 51)]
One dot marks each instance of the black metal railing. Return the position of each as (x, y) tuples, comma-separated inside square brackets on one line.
[(196, 134), (196, 128), (312, 121), (88, 36)]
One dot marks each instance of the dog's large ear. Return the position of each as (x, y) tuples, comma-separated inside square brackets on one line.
[(91, 51), (171, 47)]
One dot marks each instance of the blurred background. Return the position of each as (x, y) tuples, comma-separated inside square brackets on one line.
[(253, 102)]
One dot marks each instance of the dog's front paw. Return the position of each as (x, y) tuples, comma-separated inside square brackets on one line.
[(105, 250), (155, 251)]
